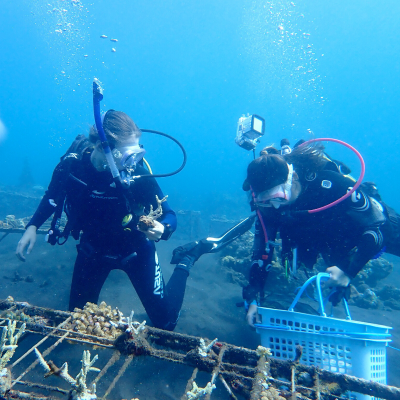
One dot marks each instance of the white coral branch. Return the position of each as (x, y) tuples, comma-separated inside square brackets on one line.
[(86, 367), (42, 361), (131, 328), (203, 349), (79, 383), (198, 393), (155, 214), (263, 351), (8, 350), (66, 376), (141, 327)]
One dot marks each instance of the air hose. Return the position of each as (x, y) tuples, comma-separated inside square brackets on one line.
[(359, 180)]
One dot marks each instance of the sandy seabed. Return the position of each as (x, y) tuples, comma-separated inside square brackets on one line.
[(209, 311)]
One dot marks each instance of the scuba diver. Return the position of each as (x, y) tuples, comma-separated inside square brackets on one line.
[(288, 191), (103, 210)]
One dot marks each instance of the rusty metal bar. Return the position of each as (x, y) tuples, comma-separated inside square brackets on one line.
[(45, 387), (38, 344), (236, 365), (113, 359), (120, 373), (36, 362)]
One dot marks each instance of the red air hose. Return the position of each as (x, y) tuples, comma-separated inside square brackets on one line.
[(260, 218), (358, 183)]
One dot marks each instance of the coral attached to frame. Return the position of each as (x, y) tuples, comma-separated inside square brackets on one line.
[(199, 393), (100, 320), (131, 329), (8, 350), (203, 349), (80, 390)]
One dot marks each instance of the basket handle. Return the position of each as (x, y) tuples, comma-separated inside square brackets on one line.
[(318, 278)]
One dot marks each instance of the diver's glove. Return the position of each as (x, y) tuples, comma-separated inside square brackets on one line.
[(340, 293), (247, 305), (194, 250)]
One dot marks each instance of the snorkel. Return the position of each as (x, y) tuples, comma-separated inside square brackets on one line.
[(130, 158), (97, 97)]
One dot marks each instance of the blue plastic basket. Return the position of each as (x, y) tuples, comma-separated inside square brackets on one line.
[(338, 345)]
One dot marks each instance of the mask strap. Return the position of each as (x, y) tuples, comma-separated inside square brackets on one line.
[(288, 184)]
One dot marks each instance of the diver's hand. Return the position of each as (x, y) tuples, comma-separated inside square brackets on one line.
[(156, 232), (340, 293), (28, 239), (252, 315), (337, 278)]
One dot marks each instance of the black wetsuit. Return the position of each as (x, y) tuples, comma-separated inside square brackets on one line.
[(96, 208), (347, 235)]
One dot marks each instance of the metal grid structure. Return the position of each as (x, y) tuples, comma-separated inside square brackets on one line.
[(243, 373), (11, 224)]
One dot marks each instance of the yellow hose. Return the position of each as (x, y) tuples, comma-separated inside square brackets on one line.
[(148, 166)]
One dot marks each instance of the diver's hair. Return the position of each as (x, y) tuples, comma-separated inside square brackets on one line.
[(269, 150), (307, 160), (118, 127)]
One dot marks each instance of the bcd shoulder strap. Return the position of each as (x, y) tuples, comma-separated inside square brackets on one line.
[(75, 152), (77, 148)]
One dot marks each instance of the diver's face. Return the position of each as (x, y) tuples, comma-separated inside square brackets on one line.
[(127, 149), (279, 196)]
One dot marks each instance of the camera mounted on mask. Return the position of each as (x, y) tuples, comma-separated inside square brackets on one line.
[(250, 129)]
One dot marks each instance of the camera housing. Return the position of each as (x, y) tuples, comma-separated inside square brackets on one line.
[(249, 129)]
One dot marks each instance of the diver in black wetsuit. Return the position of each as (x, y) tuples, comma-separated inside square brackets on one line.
[(347, 235), (96, 208)]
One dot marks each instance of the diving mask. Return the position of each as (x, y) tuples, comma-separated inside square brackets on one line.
[(127, 157), (277, 195)]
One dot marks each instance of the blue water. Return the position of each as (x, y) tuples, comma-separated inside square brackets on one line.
[(192, 69), (311, 68)]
